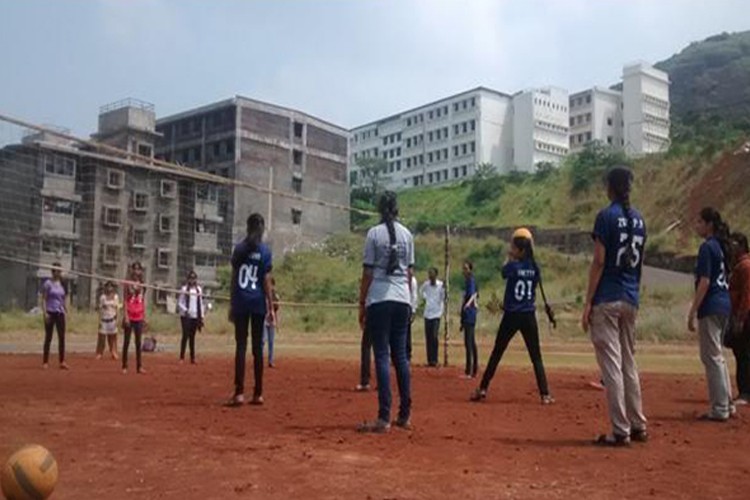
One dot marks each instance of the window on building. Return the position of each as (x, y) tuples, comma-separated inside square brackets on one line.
[(297, 157), (463, 149), (429, 115), (473, 102), (455, 106), (165, 224), (163, 258), (138, 238), (429, 157), (168, 189), (588, 117), (464, 171), (464, 127), (298, 130), (572, 121), (207, 192), (115, 179), (59, 165), (473, 126), (112, 217), (297, 184), (140, 201), (609, 139), (57, 247), (110, 254), (408, 122), (296, 216), (57, 206), (398, 165), (429, 178), (588, 136), (609, 121), (588, 98)]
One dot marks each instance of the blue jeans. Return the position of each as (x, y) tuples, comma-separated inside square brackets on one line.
[(269, 332), (387, 324)]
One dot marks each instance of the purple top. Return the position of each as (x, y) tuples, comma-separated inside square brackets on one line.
[(55, 296)]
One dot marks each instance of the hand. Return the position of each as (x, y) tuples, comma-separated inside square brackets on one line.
[(586, 318), (362, 316), (201, 324), (691, 321), (271, 318)]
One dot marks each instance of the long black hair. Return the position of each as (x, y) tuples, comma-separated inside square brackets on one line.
[(256, 226), (721, 232), (620, 182), (388, 208)]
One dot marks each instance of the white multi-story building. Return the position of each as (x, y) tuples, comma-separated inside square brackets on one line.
[(540, 127), (439, 142), (442, 142), (645, 110), (633, 115), (595, 115)]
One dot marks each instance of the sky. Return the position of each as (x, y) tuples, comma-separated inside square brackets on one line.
[(346, 61)]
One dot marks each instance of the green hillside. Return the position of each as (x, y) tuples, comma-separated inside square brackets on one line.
[(710, 78)]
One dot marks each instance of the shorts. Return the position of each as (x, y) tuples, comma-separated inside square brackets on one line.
[(108, 327)]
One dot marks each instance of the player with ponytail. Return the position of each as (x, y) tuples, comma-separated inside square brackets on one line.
[(251, 305), (522, 275), (385, 309), (712, 307), (611, 307)]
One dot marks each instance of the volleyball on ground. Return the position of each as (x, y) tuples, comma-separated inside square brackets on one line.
[(30, 473)]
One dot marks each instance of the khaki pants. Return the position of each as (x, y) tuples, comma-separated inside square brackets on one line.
[(710, 331), (613, 336)]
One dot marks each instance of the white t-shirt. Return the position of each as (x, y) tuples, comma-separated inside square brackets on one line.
[(388, 287), (434, 297), (188, 302)]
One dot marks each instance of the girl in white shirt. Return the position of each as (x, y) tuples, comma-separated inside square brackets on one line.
[(109, 306), (192, 312)]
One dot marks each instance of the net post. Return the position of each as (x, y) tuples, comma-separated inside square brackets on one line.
[(446, 335)]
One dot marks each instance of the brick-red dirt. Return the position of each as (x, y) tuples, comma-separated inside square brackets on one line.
[(165, 435)]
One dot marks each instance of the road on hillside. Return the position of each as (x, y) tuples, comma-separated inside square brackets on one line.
[(657, 277)]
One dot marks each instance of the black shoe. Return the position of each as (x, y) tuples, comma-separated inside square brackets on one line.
[(612, 441), (639, 436), (478, 395), (403, 423)]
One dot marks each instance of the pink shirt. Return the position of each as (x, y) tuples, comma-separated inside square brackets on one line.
[(135, 305)]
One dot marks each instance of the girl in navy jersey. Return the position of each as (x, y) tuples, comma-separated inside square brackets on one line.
[(469, 320), (251, 305), (612, 305), (522, 275), (712, 306)]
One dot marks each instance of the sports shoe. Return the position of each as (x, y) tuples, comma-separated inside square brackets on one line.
[(374, 426), (403, 423), (64, 366), (235, 401), (639, 435), (612, 441), (547, 399), (741, 400), (710, 417), (257, 401), (478, 395), (362, 387)]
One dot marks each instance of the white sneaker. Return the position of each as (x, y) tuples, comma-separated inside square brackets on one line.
[(741, 401)]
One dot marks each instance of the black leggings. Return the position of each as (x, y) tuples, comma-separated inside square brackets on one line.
[(511, 323), (137, 328), (55, 320), (470, 342), (189, 329), (241, 323)]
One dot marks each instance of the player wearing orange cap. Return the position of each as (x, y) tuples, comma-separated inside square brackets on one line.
[(522, 276)]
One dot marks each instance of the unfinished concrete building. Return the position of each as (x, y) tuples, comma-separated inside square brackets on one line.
[(94, 213), (265, 145)]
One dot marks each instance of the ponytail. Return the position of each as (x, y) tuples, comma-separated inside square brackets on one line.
[(388, 208), (620, 181), (256, 226), (721, 233)]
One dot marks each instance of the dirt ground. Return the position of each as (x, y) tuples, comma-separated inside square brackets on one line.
[(165, 435)]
